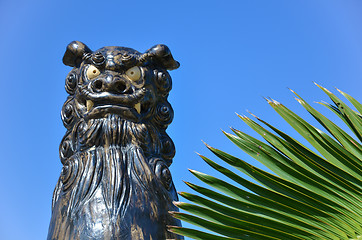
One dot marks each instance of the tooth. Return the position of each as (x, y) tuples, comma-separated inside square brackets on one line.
[(137, 106), (89, 105)]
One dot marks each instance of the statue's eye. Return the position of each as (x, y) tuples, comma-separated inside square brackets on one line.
[(92, 72), (134, 73)]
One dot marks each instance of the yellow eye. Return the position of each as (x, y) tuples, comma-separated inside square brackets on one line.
[(134, 73), (92, 72)]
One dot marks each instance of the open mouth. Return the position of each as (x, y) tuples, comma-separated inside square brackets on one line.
[(133, 106), (98, 109), (92, 106)]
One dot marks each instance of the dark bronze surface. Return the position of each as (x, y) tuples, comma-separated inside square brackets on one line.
[(115, 182)]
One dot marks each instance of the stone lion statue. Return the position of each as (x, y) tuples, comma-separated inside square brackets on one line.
[(115, 182)]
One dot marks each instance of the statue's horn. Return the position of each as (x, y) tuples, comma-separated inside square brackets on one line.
[(74, 54), (161, 55)]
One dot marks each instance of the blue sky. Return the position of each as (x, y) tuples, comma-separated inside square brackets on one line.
[(232, 54)]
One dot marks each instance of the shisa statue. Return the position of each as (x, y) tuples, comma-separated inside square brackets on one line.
[(115, 182)]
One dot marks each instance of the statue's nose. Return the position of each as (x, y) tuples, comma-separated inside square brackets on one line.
[(116, 85)]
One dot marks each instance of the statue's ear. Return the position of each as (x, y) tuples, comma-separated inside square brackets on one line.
[(74, 54), (161, 55)]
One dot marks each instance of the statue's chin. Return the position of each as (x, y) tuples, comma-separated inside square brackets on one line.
[(113, 129)]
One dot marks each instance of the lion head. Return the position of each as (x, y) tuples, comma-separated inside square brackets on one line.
[(118, 96)]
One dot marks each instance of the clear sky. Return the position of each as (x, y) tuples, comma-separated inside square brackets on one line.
[(232, 54)]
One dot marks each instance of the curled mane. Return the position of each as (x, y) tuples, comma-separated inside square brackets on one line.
[(113, 139)]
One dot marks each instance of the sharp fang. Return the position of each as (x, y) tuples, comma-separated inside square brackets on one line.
[(137, 106), (89, 105)]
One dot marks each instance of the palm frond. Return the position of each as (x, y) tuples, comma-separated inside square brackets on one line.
[(308, 195)]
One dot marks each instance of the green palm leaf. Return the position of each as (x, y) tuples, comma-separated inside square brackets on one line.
[(308, 195)]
